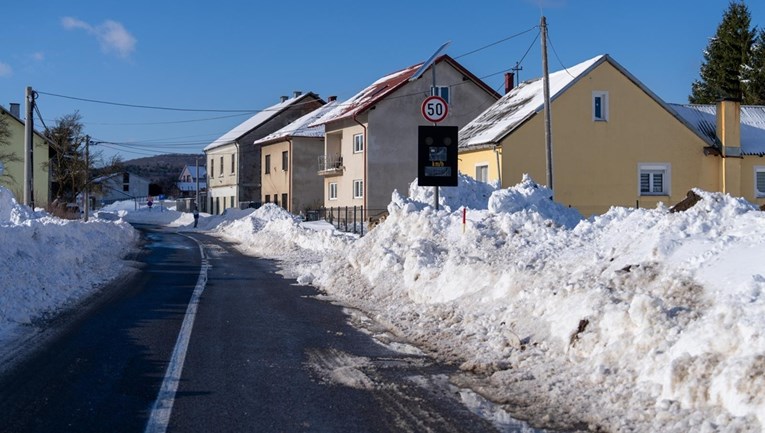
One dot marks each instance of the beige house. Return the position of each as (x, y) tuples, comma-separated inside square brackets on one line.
[(233, 160), (614, 142), (12, 169), (288, 158), (370, 144)]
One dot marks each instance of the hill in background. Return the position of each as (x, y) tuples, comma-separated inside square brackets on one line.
[(163, 170)]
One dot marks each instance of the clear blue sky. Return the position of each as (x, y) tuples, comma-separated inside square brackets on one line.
[(232, 55)]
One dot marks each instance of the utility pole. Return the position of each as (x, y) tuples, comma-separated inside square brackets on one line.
[(196, 200), (517, 70), (29, 168), (86, 192), (548, 127)]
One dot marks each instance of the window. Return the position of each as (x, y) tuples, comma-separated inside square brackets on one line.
[(268, 198), (126, 187), (654, 179), (221, 166), (759, 181), (284, 201), (285, 160), (267, 165), (233, 163), (358, 188), (232, 201), (276, 199), (442, 91), (217, 205), (224, 203), (600, 106), (482, 173), (212, 169), (333, 191), (358, 143)]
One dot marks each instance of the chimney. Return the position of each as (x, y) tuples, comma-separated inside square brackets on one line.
[(15, 109), (509, 82), (729, 126), (332, 98), (283, 98), (296, 93)]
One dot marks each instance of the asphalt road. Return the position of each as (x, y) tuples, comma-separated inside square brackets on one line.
[(264, 355)]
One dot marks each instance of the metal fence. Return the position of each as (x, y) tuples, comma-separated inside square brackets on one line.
[(352, 219)]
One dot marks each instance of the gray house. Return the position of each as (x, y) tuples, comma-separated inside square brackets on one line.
[(234, 159)]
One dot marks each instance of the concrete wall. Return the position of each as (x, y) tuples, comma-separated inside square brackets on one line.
[(596, 162)]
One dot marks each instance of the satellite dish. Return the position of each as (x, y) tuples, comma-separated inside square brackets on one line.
[(429, 62)]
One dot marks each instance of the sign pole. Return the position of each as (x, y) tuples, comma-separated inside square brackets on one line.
[(432, 90)]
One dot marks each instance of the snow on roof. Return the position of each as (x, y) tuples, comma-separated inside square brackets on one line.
[(193, 170), (253, 122), (703, 118), (518, 105), (369, 96), (302, 126)]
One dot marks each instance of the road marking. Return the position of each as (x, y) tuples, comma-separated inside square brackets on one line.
[(163, 406)]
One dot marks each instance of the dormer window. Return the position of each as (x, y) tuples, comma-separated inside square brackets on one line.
[(600, 106)]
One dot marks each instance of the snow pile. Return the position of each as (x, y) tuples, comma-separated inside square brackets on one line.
[(157, 214), (636, 319), (469, 193), (53, 262)]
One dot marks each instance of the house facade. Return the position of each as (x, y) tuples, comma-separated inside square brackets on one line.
[(289, 156), (371, 139), (614, 142), (189, 179), (12, 169), (234, 161), (118, 187)]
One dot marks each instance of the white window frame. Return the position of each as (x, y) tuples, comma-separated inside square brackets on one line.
[(759, 170), (358, 188), (603, 95), (358, 143), (332, 192), (654, 168), (443, 91), (482, 165)]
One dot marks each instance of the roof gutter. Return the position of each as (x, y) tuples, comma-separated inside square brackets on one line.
[(364, 153)]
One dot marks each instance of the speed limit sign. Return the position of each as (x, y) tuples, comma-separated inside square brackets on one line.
[(434, 109)]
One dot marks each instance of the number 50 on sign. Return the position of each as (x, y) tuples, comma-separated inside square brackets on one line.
[(434, 109)]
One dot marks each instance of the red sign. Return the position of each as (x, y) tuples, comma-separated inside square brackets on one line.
[(434, 109)]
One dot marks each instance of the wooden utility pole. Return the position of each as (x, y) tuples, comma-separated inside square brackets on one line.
[(546, 85), (29, 168)]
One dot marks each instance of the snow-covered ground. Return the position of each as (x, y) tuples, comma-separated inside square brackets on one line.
[(635, 320)]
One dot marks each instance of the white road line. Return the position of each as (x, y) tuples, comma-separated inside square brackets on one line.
[(163, 406)]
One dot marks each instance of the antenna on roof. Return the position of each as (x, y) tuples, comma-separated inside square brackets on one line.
[(429, 62)]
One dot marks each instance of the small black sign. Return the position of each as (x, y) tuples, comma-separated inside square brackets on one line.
[(437, 156)]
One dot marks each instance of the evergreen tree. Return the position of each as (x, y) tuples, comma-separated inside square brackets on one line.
[(755, 72), (725, 57)]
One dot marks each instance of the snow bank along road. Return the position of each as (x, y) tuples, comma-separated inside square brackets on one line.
[(264, 355)]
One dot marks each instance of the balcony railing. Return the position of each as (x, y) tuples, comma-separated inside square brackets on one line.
[(330, 165)]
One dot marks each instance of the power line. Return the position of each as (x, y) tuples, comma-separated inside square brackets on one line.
[(495, 43), (150, 107), (556, 55)]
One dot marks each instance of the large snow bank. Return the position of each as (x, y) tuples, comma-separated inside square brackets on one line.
[(51, 262), (636, 320)]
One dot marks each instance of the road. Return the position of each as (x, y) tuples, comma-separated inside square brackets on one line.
[(262, 354)]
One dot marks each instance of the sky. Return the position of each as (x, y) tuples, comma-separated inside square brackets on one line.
[(221, 62), (637, 320)]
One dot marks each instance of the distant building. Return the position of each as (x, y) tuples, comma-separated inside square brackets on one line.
[(187, 181), (117, 187), (12, 169)]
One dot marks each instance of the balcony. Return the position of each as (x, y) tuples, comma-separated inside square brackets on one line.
[(330, 165)]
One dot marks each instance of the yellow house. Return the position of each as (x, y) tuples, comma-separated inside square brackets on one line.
[(289, 156), (12, 169), (614, 142)]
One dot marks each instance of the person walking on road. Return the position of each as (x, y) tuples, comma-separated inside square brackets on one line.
[(196, 217)]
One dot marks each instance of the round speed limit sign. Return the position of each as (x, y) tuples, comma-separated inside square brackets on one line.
[(434, 109)]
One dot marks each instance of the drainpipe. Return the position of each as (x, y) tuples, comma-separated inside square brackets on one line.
[(290, 156), (499, 166), (366, 145), (238, 156)]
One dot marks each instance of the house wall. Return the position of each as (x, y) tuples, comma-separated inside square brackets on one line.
[(393, 130), (222, 184), (353, 163), (307, 186), (469, 160), (748, 164), (112, 189), (595, 163), (277, 182), (13, 172)]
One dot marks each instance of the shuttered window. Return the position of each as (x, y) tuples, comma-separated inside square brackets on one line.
[(759, 180)]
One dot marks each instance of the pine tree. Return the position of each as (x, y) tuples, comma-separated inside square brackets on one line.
[(724, 59), (755, 72)]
